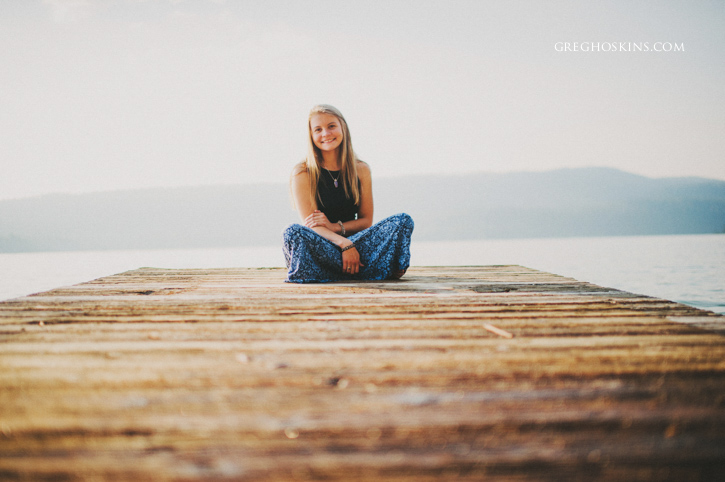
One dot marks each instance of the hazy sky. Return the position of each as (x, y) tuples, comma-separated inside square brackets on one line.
[(109, 94)]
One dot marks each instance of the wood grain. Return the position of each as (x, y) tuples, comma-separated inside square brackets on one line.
[(232, 374)]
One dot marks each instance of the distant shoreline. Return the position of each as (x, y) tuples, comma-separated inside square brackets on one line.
[(587, 202)]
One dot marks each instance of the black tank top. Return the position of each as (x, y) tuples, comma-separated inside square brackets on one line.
[(331, 200)]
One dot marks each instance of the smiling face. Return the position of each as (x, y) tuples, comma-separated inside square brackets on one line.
[(326, 131)]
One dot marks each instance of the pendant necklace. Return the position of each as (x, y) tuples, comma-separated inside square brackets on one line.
[(335, 180)]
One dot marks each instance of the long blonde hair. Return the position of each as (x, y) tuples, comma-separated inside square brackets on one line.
[(348, 160)]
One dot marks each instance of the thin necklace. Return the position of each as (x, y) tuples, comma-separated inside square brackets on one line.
[(335, 180)]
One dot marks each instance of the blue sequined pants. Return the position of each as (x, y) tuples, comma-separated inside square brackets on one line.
[(384, 248)]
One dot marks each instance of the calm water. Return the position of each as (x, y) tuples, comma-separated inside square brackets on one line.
[(689, 269)]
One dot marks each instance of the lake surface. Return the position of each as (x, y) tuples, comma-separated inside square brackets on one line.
[(689, 269)]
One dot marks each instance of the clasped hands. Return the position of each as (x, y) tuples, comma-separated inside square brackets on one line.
[(350, 258)]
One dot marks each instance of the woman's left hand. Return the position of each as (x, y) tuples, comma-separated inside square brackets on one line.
[(318, 218), (351, 261)]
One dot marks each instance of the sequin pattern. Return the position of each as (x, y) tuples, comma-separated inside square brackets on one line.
[(384, 248)]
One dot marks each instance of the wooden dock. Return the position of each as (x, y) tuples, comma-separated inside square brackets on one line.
[(462, 373)]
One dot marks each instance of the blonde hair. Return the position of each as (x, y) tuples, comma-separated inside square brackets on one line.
[(348, 160)]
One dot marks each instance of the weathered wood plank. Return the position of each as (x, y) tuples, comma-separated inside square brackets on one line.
[(232, 374)]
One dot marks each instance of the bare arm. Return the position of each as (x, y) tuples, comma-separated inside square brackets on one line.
[(307, 210), (365, 211), (313, 218), (317, 221)]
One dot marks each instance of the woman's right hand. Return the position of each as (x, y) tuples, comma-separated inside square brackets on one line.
[(318, 218), (351, 261)]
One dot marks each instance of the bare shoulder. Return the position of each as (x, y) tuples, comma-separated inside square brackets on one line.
[(300, 176), (300, 170), (363, 169), (300, 179)]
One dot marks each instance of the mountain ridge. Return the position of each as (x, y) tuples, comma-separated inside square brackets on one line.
[(559, 203)]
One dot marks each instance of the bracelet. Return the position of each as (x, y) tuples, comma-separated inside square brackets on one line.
[(342, 229), (349, 246)]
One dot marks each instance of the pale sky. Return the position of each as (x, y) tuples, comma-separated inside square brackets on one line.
[(109, 94)]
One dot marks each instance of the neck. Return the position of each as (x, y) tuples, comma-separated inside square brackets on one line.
[(331, 160)]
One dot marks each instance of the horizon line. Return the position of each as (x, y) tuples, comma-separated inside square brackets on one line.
[(394, 176)]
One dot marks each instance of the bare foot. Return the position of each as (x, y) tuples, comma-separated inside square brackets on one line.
[(397, 274)]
